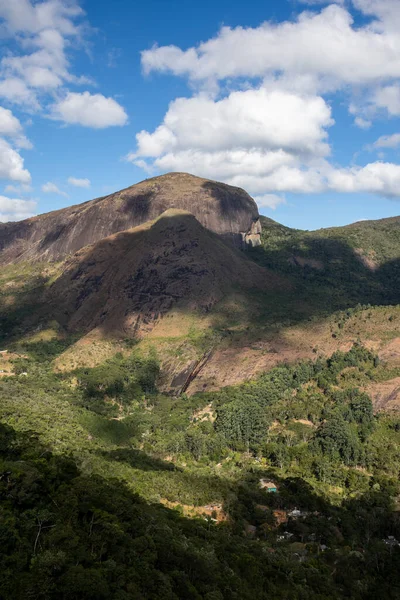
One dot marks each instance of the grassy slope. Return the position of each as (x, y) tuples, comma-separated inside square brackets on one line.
[(334, 270)]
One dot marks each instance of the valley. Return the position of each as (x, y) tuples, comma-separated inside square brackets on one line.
[(158, 371)]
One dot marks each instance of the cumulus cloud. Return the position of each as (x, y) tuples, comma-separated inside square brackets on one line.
[(40, 64), (362, 123), (386, 13), (388, 141), (23, 188), (324, 45), (15, 90), (12, 164), (83, 183), (275, 120), (374, 178), (270, 201), (12, 209), (90, 110), (250, 133), (52, 188), (388, 97), (9, 124), (270, 136), (23, 16), (11, 127), (377, 178)]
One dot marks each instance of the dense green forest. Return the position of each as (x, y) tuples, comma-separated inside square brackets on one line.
[(110, 489), (338, 267)]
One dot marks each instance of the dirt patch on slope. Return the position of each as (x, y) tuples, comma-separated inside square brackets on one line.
[(391, 352), (385, 395)]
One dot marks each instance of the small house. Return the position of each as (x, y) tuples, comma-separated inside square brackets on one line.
[(268, 486), (285, 537), (297, 514), (280, 517)]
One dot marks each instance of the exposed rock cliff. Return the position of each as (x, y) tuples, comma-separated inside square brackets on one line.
[(226, 210), (126, 282)]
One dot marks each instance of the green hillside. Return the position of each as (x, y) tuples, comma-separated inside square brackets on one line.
[(110, 488), (337, 267)]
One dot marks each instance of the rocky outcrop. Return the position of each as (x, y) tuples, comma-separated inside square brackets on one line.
[(126, 282), (228, 211), (252, 237)]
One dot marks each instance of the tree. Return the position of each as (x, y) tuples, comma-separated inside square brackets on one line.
[(337, 438), (243, 423)]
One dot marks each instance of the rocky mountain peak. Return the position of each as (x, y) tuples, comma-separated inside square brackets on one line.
[(226, 210)]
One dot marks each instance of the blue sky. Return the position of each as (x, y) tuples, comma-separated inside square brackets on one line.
[(297, 102)]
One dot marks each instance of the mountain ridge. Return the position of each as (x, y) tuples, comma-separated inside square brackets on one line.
[(128, 280), (226, 210)]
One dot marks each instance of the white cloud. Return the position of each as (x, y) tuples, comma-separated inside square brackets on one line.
[(23, 16), (362, 123), (376, 178), (83, 183), (270, 201), (11, 127), (218, 165), (12, 209), (296, 179), (385, 12), (89, 110), (51, 188), (42, 31), (271, 136), (12, 164), (274, 120), (9, 124), (388, 141), (388, 97), (23, 188), (248, 137), (16, 91), (324, 45)]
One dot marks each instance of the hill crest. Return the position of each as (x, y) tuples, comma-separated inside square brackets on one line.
[(226, 210)]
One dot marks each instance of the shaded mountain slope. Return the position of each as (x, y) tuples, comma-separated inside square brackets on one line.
[(337, 267), (373, 243), (125, 282), (224, 209)]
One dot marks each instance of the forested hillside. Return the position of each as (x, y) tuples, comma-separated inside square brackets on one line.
[(112, 490), (246, 447)]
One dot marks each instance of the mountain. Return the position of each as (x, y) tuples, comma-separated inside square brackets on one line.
[(226, 210), (129, 280), (187, 417), (168, 276)]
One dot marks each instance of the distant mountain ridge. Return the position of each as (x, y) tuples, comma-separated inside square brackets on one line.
[(226, 210)]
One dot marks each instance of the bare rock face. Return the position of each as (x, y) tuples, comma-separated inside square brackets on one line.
[(124, 283), (223, 209)]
